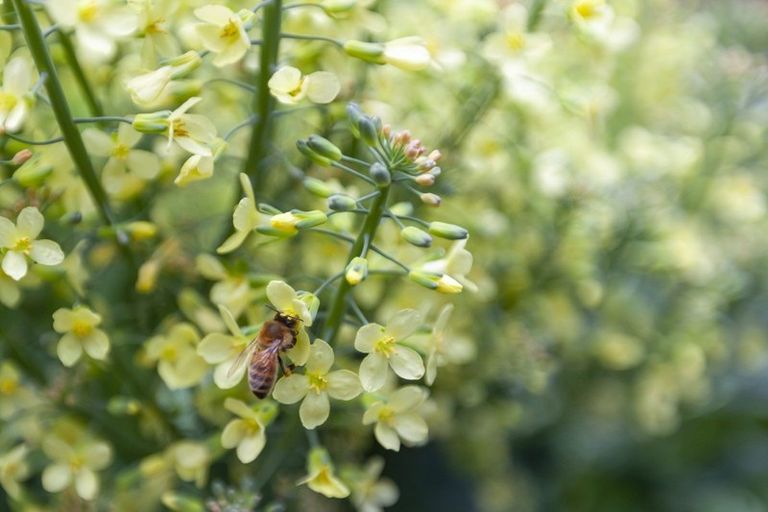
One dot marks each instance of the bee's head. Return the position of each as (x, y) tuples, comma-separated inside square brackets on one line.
[(289, 321)]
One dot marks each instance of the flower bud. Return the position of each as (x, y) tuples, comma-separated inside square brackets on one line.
[(305, 150), (447, 284), (336, 7), (430, 199), (33, 173), (356, 271), (146, 280), (324, 148), (141, 230), (289, 223), (317, 187), (425, 180), (153, 122), (181, 503), (380, 174), (21, 156), (341, 203), (184, 63), (268, 209), (369, 52), (123, 405), (369, 132), (448, 231), (416, 236), (442, 283), (354, 114)]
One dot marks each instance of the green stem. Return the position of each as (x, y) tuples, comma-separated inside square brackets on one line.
[(94, 105), (535, 14), (263, 101), (69, 131), (368, 232)]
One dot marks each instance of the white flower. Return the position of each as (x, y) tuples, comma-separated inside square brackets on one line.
[(79, 326), (245, 218), (19, 242), (384, 348), (441, 351), (302, 305), (370, 492), (396, 418), (13, 469), (322, 478), (232, 289), (247, 433), (191, 460), (456, 265), (76, 464), (15, 100), (223, 33), (316, 385), (146, 88), (289, 86), (178, 362), (192, 132), (126, 168), (97, 24)]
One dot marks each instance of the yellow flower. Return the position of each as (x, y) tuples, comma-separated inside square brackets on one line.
[(454, 268), (321, 477), (289, 86), (79, 327), (370, 492), (199, 167), (15, 97), (245, 219), (247, 433), (13, 469), (127, 168), (19, 241), (192, 132), (385, 349), (191, 460), (232, 289), (396, 417), (75, 460), (178, 362), (223, 33), (316, 385)]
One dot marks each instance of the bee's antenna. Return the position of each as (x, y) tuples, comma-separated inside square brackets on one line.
[(273, 308)]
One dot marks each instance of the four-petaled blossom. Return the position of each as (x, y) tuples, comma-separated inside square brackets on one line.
[(192, 132), (247, 433), (456, 265), (20, 240), (245, 219), (397, 417), (384, 348), (322, 478), (75, 463), (289, 86), (126, 168), (13, 469), (79, 327), (178, 362), (223, 33), (191, 461), (370, 492), (97, 24), (232, 288), (316, 385), (15, 97)]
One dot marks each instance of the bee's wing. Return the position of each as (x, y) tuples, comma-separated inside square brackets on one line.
[(242, 357)]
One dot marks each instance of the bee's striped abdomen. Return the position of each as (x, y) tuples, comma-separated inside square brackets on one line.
[(262, 371)]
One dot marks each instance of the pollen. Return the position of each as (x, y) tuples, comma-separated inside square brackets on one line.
[(87, 11), (230, 31), (23, 244), (7, 101), (8, 386), (385, 346), (81, 329), (586, 8), (121, 151), (515, 41), (169, 353), (317, 382)]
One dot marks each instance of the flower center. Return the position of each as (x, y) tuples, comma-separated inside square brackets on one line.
[(515, 41), (230, 32), (156, 27), (23, 244), (385, 346), (386, 414), (317, 381), (87, 11), (7, 101), (179, 129), (169, 353), (76, 463), (81, 329), (252, 425), (8, 386), (586, 8), (120, 151)]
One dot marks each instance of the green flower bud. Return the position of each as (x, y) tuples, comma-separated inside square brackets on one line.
[(289, 223), (338, 6), (380, 174), (442, 283), (153, 122), (310, 219), (184, 64), (123, 405), (311, 300), (33, 173), (324, 148), (341, 203), (357, 271), (305, 150), (368, 131), (268, 209), (369, 52), (181, 503), (317, 187), (416, 236), (448, 231), (355, 114)]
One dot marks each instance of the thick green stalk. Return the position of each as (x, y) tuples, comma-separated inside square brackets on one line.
[(364, 239), (263, 103), (69, 131)]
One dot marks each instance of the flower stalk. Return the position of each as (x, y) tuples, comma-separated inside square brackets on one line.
[(264, 102)]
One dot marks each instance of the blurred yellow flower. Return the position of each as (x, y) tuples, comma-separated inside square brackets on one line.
[(178, 362), (75, 459), (79, 327), (13, 469), (19, 241), (15, 97), (321, 477), (397, 417), (223, 32), (247, 433), (289, 86)]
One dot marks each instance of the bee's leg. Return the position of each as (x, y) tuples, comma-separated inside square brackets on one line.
[(287, 370)]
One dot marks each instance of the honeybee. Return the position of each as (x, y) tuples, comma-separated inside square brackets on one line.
[(276, 335)]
